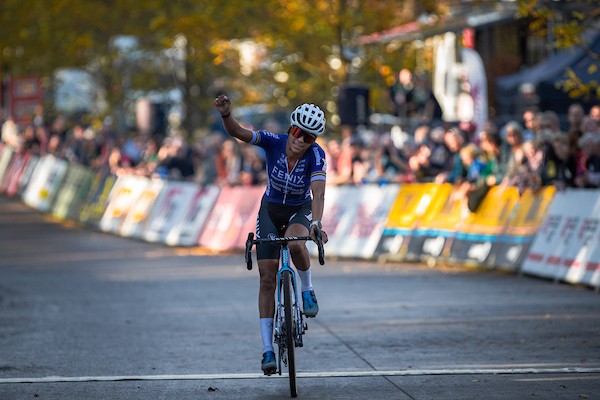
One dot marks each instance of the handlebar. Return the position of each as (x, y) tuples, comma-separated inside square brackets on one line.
[(251, 242)]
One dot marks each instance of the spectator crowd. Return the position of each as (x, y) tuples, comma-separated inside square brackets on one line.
[(531, 152)]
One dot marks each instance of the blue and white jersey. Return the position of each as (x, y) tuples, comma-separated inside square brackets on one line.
[(283, 187)]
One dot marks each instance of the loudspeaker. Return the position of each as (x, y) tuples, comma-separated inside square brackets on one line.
[(353, 105)]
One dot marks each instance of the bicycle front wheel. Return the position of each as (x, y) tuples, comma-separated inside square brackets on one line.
[(288, 295)]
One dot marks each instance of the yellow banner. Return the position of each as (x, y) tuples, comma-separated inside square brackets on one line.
[(412, 203), (446, 211), (495, 211), (531, 211)]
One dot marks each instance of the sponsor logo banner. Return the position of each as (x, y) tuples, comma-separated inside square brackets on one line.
[(355, 217), (73, 192), (122, 197), (232, 217), (136, 220), (45, 182), (96, 200), (567, 246)]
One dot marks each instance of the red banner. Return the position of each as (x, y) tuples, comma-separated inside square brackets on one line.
[(25, 96), (232, 217)]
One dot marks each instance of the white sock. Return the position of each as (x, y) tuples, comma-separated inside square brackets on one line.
[(306, 280), (266, 331)]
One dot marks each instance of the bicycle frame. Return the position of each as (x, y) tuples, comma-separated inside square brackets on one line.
[(279, 315)]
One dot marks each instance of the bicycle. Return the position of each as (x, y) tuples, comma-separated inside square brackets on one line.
[(289, 320)]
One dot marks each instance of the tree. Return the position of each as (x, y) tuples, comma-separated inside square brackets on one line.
[(300, 50), (565, 25)]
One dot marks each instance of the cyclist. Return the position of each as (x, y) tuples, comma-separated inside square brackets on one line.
[(296, 168)]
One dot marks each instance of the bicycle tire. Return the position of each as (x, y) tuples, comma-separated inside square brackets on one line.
[(286, 277)]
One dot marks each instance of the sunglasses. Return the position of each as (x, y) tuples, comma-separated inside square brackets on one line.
[(297, 132)]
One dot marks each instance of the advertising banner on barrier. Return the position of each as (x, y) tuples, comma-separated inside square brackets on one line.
[(14, 170), (6, 155), (437, 227), (123, 195), (169, 208), (480, 232), (232, 217), (186, 230), (25, 177), (412, 203), (136, 221), (334, 216), (96, 201), (510, 249), (22, 174), (354, 218), (45, 182), (72, 192), (567, 246)]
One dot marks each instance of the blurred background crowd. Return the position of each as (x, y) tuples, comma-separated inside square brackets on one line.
[(533, 150), (474, 94)]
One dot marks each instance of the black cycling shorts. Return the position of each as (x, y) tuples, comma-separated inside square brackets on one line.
[(273, 219)]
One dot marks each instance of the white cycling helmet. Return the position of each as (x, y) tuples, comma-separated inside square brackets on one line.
[(309, 118)]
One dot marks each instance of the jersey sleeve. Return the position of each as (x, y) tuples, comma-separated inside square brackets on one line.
[(264, 139), (318, 164)]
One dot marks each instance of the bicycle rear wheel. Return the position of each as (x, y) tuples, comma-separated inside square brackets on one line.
[(286, 277)]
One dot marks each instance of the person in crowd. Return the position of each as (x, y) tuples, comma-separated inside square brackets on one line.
[(491, 147), (560, 166), (10, 133), (575, 116), (55, 146), (207, 151), (467, 174), (59, 127), (590, 145), (253, 167), (175, 159), (573, 140), (529, 116), (420, 165), (229, 163), (453, 142), (549, 126), (440, 159), (392, 162), (516, 168), (75, 144), (333, 153), (399, 92), (595, 113), (535, 152), (421, 134), (350, 165), (422, 105), (292, 205), (493, 170), (31, 141), (590, 125)]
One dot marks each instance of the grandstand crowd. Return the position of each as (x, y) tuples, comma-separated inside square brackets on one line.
[(529, 152)]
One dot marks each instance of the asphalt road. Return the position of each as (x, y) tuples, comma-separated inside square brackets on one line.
[(86, 315)]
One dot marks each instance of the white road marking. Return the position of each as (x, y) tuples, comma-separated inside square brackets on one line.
[(325, 374)]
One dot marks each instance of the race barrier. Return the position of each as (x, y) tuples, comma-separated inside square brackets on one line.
[(539, 233), (567, 246), (45, 182), (232, 217), (354, 218)]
